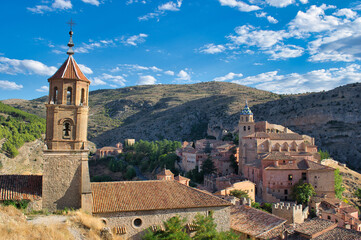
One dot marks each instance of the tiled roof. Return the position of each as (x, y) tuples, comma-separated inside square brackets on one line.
[(18, 187), (69, 70), (285, 136), (313, 227), (181, 178), (277, 156), (253, 222), (316, 166), (340, 234), (246, 110), (300, 165), (149, 195), (165, 172), (257, 135)]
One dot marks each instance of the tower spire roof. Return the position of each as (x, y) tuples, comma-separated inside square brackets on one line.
[(70, 69), (246, 110)]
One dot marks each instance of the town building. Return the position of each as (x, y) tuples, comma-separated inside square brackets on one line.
[(109, 151), (220, 152), (245, 186), (136, 206), (275, 159), (337, 211), (166, 174), (292, 212), (251, 223)]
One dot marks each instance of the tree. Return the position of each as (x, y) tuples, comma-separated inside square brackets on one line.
[(130, 174), (239, 194), (208, 166), (302, 192), (324, 154), (174, 229), (338, 184), (205, 227)]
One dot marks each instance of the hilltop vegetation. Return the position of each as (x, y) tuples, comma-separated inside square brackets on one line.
[(191, 111), (18, 127)]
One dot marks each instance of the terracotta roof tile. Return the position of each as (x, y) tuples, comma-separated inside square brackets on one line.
[(285, 136), (254, 222), (18, 187), (181, 178), (69, 70), (314, 226), (149, 195), (340, 234)]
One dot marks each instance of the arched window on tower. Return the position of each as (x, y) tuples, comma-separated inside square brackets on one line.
[(69, 96), (249, 128), (246, 119), (242, 119), (244, 128), (66, 130), (82, 97), (55, 95)]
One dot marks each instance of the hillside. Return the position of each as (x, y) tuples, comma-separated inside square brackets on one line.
[(183, 112)]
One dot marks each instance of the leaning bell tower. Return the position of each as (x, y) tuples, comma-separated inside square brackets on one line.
[(66, 181)]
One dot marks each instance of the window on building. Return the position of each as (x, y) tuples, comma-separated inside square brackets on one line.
[(304, 176), (242, 119), (329, 217), (246, 119), (69, 96), (286, 191), (286, 198), (137, 222), (290, 177), (66, 130), (336, 221), (244, 128), (55, 95), (82, 96), (249, 128)]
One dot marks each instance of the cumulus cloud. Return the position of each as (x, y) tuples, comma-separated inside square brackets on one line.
[(108, 79), (170, 73), (285, 51), (85, 69), (240, 5), (146, 80), (183, 76), (92, 2), (6, 85), (135, 39), (43, 89), (135, 67), (280, 3), (56, 5), (269, 18), (136, 1), (15, 66), (317, 80), (212, 48), (96, 81), (228, 76), (162, 9)]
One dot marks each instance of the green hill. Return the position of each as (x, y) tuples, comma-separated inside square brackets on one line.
[(18, 127)]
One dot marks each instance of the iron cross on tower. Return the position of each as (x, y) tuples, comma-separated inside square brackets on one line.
[(71, 23)]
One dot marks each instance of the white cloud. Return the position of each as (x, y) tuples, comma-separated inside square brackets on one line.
[(86, 47), (170, 73), (43, 89), (92, 2), (269, 18), (240, 5), (97, 81), (249, 35), (162, 9), (135, 39), (183, 76), (212, 48), (15, 66), (85, 69), (317, 80), (146, 80), (348, 13), (136, 1), (280, 3), (304, 1), (229, 76), (285, 51), (135, 67), (105, 79), (56, 5), (6, 85)]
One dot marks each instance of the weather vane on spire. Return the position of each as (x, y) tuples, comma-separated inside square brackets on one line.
[(71, 23)]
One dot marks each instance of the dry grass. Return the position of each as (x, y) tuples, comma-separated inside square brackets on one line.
[(13, 225), (88, 225)]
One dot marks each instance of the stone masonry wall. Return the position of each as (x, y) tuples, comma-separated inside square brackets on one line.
[(62, 179), (157, 217)]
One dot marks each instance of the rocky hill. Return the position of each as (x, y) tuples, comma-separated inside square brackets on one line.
[(187, 112)]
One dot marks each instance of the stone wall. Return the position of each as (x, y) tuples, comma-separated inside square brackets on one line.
[(290, 211), (157, 217), (62, 179)]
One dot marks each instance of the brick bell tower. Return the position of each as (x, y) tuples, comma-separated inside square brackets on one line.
[(66, 181)]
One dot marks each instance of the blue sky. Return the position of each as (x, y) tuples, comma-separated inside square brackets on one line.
[(283, 46)]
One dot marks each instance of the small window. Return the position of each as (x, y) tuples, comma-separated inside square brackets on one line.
[(69, 96), (244, 128), (66, 130), (249, 128), (304, 176), (286, 191), (329, 217), (336, 221), (246, 119), (55, 95), (137, 222), (82, 96), (290, 177)]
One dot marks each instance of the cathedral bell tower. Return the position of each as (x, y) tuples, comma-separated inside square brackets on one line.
[(66, 181), (246, 126)]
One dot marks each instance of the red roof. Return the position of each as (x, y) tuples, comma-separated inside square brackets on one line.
[(18, 187), (69, 70)]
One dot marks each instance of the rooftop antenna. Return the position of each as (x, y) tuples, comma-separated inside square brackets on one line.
[(70, 43)]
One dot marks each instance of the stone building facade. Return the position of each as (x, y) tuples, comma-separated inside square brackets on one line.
[(290, 211)]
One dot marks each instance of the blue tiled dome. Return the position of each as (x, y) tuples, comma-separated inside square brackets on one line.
[(246, 110)]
